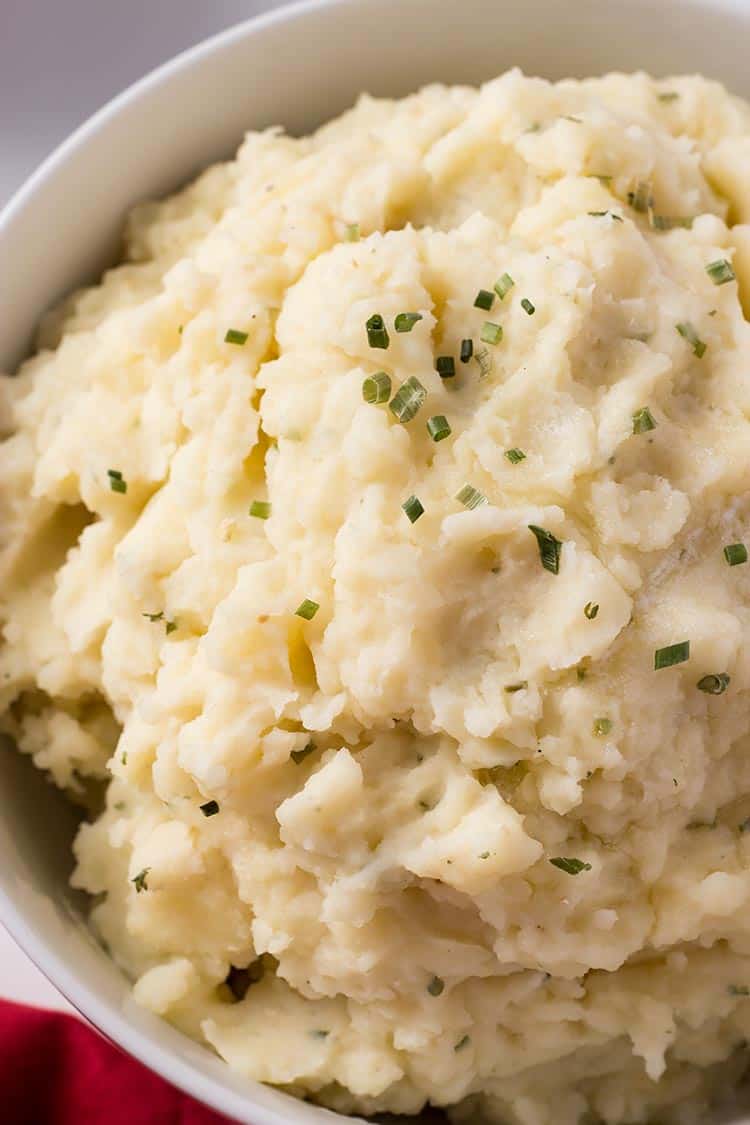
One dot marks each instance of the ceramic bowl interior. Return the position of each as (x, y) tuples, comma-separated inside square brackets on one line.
[(297, 67)]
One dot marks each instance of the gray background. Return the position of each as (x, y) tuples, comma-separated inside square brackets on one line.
[(60, 60)]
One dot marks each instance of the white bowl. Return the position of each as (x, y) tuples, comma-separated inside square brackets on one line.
[(297, 66)]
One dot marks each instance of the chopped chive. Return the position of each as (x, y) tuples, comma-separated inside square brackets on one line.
[(602, 727), (738, 990), (720, 271), (735, 554), (445, 365), (307, 609), (484, 855), (463, 1042), (513, 688), (590, 610), (298, 756), (471, 497), (491, 333), (503, 285), (549, 548), (643, 421), (671, 654), (641, 199), (116, 481), (261, 509), (484, 361), (377, 333), (688, 333), (408, 399), (467, 350), (154, 616), (438, 427), (570, 866), (139, 882), (413, 508), (377, 388), (527, 306), (515, 455), (570, 117), (714, 684), (484, 300), (405, 321), (603, 214), (668, 96), (210, 808), (669, 222), (235, 336), (352, 232), (319, 1033), (436, 986), (170, 626)]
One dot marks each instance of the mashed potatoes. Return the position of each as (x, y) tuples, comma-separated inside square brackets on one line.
[(413, 648)]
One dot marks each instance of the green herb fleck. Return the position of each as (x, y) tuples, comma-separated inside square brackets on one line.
[(413, 508), (515, 455), (668, 96), (527, 306), (590, 610), (570, 866), (116, 481), (154, 616), (738, 990), (491, 333), (549, 548), (513, 688), (210, 808), (307, 609), (484, 855), (467, 350), (602, 214), (377, 333), (471, 497), (261, 509), (735, 554), (438, 427), (714, 684), (445, 365), (602, 727), (688, 333), (436, 986), (408, 399), (720, 271), (170, 626), (405, 321), (377, 388), (503, 285), (352, 232), (484, 299), (643, 421), (463, 1042), (641, 199), (234, 336), (319, 1033), (139, 882), (671, 654)]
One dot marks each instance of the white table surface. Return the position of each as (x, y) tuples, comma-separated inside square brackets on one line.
[(60, 60)]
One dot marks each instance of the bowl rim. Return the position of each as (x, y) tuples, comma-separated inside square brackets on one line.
[(106, 1018)]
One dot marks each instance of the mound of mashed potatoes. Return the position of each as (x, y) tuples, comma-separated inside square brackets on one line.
[(374, 569)]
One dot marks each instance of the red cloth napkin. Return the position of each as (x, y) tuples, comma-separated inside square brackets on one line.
[(56, 1071)]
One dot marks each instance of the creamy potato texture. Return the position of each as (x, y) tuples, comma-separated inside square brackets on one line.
[(452, 836)]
